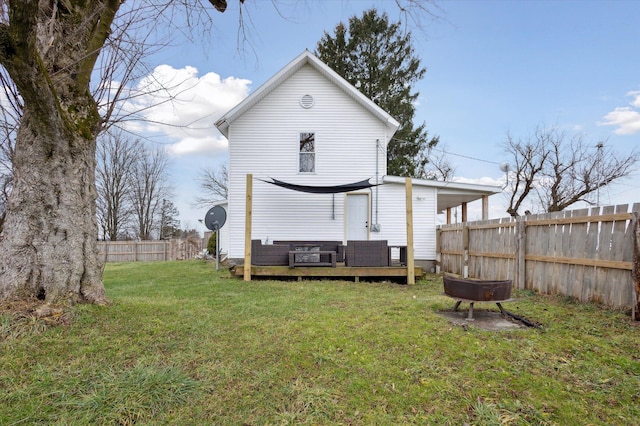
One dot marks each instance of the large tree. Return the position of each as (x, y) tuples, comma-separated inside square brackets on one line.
[(377, 57), (214, 185), (116, 160), (169, 223), (553, 169), (49, 49), (149, 192)]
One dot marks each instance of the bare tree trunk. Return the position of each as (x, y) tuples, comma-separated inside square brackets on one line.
[(49, 247)]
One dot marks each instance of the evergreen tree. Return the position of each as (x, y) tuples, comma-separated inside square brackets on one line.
[(375, 56), (169, 223)]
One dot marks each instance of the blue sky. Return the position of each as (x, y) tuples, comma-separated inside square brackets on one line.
[(492, 67)]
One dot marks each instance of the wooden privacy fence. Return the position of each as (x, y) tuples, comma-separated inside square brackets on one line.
[(589, 254), (148, 251)]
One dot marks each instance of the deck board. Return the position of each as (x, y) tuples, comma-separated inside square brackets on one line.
[(329, 272)]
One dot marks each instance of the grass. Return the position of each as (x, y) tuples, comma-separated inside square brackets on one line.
[(184, 344)]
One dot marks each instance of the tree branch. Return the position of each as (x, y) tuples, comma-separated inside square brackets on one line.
[(98, 37)]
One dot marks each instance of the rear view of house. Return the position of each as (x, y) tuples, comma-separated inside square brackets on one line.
[(307, 128)]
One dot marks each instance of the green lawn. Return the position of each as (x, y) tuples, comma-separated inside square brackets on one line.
[(184, 344)]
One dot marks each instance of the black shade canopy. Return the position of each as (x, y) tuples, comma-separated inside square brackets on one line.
[(363, 184)]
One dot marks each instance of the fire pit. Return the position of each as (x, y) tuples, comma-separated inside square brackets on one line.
[(471, 291)]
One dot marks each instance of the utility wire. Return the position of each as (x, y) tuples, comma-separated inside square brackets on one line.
[(449, 152)]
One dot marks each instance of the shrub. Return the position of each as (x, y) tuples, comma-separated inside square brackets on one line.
[(211, 244)]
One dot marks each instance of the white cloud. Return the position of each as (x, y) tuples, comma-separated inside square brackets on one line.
[(485, 180), (625, 119), (636, 98), (189, 145), (183, 106)]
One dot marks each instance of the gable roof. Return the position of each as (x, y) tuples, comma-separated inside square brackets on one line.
[(305, 58)]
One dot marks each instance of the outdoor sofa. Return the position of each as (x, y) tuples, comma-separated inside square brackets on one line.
[(277, 254)]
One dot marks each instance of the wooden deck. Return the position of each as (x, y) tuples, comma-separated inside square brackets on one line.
[(355, 272)]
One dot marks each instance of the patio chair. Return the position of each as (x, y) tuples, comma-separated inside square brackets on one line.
[(367, 253)]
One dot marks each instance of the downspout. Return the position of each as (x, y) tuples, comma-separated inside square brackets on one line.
[(333, 206), (377, 173)]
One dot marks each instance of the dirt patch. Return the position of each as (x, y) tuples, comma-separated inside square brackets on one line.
[(18, 313), (486, 320)]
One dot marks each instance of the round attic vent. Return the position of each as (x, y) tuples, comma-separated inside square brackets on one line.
[(306, 101)]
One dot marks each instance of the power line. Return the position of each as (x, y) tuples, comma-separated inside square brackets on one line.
[(450, 153)]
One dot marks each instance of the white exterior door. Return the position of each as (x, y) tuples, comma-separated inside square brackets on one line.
[(357, 217)]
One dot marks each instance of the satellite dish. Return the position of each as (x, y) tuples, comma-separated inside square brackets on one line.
[(504, 167), (215, 218)]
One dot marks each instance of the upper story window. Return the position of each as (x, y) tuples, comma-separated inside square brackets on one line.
[(307, 153)]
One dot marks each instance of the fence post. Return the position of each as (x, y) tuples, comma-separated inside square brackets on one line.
[(636, 268), (521, 233)]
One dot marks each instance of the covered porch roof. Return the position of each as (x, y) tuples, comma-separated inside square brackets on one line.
[(452, 194)]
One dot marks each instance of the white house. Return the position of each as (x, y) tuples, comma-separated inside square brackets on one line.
[(308, 126)]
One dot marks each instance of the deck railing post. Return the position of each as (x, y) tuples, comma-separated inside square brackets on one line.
[(485, 207)]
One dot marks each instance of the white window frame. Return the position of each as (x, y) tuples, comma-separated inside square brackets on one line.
[(311, 153)]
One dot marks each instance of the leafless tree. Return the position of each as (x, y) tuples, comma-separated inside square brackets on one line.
[(50, 50), (116, 158), (10, 113), (149, 189), (214, 185), (440, 168), (558, 170), (528, 157)]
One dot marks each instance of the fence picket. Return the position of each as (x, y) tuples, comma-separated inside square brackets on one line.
[(578, 244), (604, 253), (555, 250), (563, 276), (616, 291)]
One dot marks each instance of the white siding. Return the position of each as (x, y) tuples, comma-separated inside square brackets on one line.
[(264, 141), (224, 235), (392, 218)]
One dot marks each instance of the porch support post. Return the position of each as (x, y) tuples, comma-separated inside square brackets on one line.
[(247, 227), (465, 250), (485, 207), (411, 272), (448, 215), (464, 212)]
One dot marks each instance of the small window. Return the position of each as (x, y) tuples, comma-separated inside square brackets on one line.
[(307, 153)]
